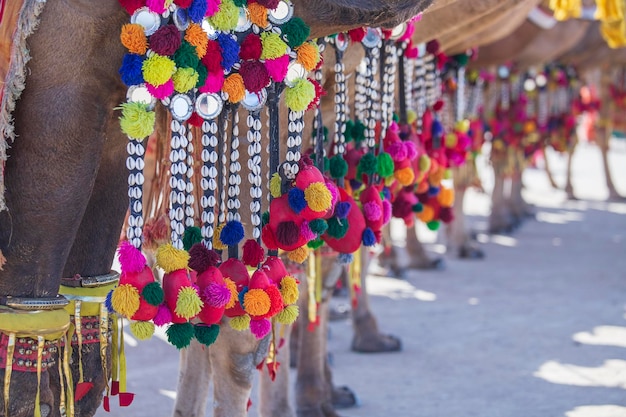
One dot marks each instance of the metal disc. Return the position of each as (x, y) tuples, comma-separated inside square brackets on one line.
[(209, 105), (254, 101), (181, 18), (341, 41), (150, 20), (372, 38), (181, 107), (140, 94), (295, 71), (282, 13)]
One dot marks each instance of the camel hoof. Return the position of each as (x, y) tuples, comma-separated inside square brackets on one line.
[(376, 343), (324, 410), (429, 264), (344, 397), (616, 198), (471, 253), (571, 197)]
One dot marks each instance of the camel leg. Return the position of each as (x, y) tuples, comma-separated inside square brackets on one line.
[(519, 207), (193, 381), (367, 338), (500, 217), (546, 162), (420, 259), (603, 142), (459, 240), (275, 394), (569, 188)]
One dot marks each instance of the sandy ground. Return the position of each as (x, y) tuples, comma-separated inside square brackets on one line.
[(537, 329)]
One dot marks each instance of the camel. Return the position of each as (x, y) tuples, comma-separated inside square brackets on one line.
[(72, 151)]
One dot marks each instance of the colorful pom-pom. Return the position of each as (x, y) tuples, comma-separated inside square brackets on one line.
[(289, 289), (338, 167), (134, 38), (232, 287), (185, 79), (318, 226), (188, 303), (251, 47), (258, 14), (372, 211), (260, 328), (253, 253), (368, 237), (306, 232), (226, 18), (201, 258), (125, 300), (230, 50), (345, 258), (255, 76), (186, 56), (295, 32), (216, 295), (287, 233), (131, 70), (214, 82), (132, 5), (180, 334), (153, 293), (171, 259), (163, 316), (433, 225), (234, 87), (318, 197), (197, 37), (142, 330), (337, 228), (240, 323), (273, 46), (384, 165), (158, 69), (206, 335), (342, 209), (300, 95), (367, 164), (308, 55), (137, 122), (232, 233), (288, 315), (162, 91), (277, 68), (276, 185), (166, 40), (405, 176), (131, 259), (296, 200), (197, 10), (191, 236), (299, 255)]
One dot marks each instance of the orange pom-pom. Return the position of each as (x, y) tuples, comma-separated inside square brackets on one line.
[(308, 55), (234, 87), (232, 287), (427, 214), (197, 37), (256, 302), (446, 197), (405, 176), (134, 38), (258, 14)]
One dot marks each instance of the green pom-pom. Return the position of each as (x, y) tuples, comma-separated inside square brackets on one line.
[(240, 323), (202, 74), (349, 127), (240, 3), (226, 18), (300, 95), (265, 218), (137, 122), (337, 228), (186, 56), (295, 32), (461, 59), (326, 164), (191, 236), (358, 131), (185, 79), (180, 334), (206, 334), (153, 293), (157, 69), (318, 226), (142, 330), (433, 225), (273, 46), (418, 208), (396, 118), (367, 165), (315, 243), (384, 165), (338, 167), (288, 315)]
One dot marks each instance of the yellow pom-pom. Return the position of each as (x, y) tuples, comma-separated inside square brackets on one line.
[(185, 79), (134, 38), (171, 259), (137, 122), (232, 287), (411, 116), (299, 255), (288, 315), (308, 55), (463, 126), (405, 176), (273, 46), (197, 37), (188, 303), (256, 302), (217, 243), (142, 330), (226, 18), (125, 300), (427, 214), (234, 87), (317, 197), (157, 69), (300, 95), (446, 197), (276, 186), (451, 140), (424, 163), (289, 289), (240, 323)]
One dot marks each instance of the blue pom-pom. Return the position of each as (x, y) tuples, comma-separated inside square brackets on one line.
[(345, 258), (232, 233), (355, 184), (242, 294), (433, 191), (197, 10), (107, 302), (131, 71), (437, 129), (342, 209), (296, 200), (230, 50), (369, 239)]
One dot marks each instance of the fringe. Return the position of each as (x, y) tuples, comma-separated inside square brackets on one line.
[(16, 80)]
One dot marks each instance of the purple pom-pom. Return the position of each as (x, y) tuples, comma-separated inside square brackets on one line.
[(201, 258), (411, 150), (296, 200), (131, 69), (372, 211), (369, 239), (131, 258), (386, 211), (397, 151), (166, 40), (216, 295), (260, 328), (230, 50), (163, 316), (306, 231), (212, 7), (342, 209)]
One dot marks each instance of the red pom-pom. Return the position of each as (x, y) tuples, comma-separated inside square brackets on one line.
[(195, 120), (255, 76), (268, 238), (287, 233), (132, 5), (270, 4), (251, 47), (446, 215), (319, 92), (183, 3), (213, 57), (438, 105), (276, 301), (253, 253), (166, 40), (432, 47), (201, 258), (357, 35)]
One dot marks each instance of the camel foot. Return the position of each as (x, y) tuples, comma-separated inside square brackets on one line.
[(344, 397), (324, 410), (376, 343), (428, 264), (470, 252), (616, 198)]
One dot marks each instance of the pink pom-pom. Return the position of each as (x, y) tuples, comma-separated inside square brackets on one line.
[(163, 316), (372, 211), (334, 191), (411, 150), (306, 231), (212, 7), (157, 6), (260, 328), (216, 295), (253, 253), (131, 258), (397, 151), (162, 91), (386, 211), (214, 82), (277, 68)]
